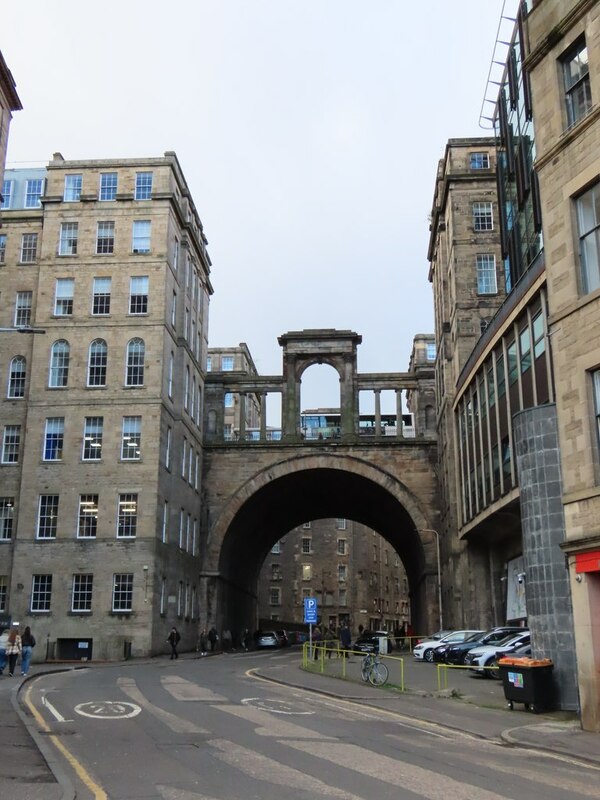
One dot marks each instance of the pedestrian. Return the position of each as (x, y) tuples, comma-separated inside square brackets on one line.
[(213, 638), (346, 640), (203, 642), (227, 640), (13, 649), (28, 643), (410, 632), (245, 639), (173, 639), (3, 645), (316, 637)]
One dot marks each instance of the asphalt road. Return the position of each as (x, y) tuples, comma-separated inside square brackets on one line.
[(207, 729)]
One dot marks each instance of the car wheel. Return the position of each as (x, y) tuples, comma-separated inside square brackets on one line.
[(493, 673), (428, 655)]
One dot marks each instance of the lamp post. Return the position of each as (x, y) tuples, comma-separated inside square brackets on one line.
[(439, 570)]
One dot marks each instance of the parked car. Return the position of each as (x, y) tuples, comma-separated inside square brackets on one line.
[(284, 639), (487, 656), (368, 642), (439, 652), (423, 651), (267, 639), (456, 652)]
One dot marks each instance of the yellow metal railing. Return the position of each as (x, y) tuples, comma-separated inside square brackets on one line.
[(442, 672), (324, 653)]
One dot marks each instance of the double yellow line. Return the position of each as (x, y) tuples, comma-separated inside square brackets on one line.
[(80, 771)]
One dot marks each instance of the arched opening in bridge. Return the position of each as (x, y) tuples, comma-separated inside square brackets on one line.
[(288, 501), (355, 575)]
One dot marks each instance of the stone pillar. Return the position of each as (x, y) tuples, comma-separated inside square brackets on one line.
[(263, 416), (348, 421), (242, 410), (290, 400), (377, 394), (399, 431), (547, 591)]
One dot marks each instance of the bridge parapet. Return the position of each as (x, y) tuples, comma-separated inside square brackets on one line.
[(235, 402)]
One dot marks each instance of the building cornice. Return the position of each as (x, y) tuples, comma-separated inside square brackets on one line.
[(10, 89), (568, 137), (557, 33)]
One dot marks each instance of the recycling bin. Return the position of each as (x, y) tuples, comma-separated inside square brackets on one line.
[(528, 681)]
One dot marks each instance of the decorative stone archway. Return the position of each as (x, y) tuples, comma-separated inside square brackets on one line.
[(302, 349)]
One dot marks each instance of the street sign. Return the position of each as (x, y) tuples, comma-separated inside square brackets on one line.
[(310, 610)]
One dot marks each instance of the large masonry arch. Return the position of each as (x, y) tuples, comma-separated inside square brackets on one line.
[(278, 491)]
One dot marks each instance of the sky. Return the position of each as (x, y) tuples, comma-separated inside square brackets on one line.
[(309, 134)]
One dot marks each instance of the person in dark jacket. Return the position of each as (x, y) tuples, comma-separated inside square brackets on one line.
[(213, 638), (27, 645), (346, 639), (173, 639)]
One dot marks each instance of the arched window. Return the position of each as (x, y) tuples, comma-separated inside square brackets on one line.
[(16, 377), (60, 355), (97, 361), (134, 372)]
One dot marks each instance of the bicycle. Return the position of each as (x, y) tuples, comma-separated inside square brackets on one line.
[(373, 670)]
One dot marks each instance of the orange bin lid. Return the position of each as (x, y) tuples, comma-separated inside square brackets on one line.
[(524, 661)]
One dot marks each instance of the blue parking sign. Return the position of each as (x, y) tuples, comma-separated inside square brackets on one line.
[(310, 610)]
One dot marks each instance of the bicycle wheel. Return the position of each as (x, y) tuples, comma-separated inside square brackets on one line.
[(379, 674), (365, 668)]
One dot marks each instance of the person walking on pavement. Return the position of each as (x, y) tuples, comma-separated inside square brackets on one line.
[(346, 639), (27, 643), (173, 639), (13, 649), (203, 642), (213, 638), (3, 645)]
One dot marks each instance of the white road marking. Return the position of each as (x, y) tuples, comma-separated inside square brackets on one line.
[(187, 691), (268, 725), (172, 793), (178, 725), (57, 715), (266, 704), (538, 776), (267, 770), (107, 709), (423, 782)]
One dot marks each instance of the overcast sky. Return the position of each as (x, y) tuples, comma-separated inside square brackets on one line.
[(309, 133)]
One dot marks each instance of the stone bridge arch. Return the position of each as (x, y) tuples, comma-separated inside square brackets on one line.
[(287, 490)]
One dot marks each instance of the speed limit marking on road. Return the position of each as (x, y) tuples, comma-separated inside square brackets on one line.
[(108, 709), (274, 706)]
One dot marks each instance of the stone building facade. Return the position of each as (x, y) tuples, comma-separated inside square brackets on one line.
[(237, 359), (468, 288), (9, 102), (563, 65), (356, 576), (107, 272), (519, 441)]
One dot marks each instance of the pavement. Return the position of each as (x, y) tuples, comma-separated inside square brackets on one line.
[(31, 769)]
